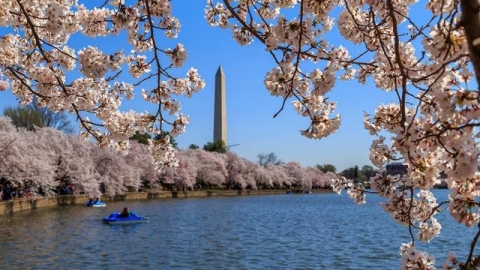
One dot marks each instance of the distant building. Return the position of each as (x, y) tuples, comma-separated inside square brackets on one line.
[(395, 168)]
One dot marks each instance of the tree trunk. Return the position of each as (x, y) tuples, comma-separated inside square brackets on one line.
[(471, 24)]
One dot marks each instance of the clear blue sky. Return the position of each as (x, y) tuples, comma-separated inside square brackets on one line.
[(250, 107)]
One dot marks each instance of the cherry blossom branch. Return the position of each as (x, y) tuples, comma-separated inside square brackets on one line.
[(476, 262), (156, 59), (38, 44)]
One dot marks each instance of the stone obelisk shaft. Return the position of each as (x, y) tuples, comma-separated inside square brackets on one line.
[(220, 113)]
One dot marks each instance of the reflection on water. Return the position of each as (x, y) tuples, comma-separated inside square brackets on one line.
[(308, 231)]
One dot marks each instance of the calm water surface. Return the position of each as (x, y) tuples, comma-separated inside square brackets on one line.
[(307, 231)]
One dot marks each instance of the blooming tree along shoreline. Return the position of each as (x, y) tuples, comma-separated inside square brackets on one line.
[(429, 63), (48, 162)]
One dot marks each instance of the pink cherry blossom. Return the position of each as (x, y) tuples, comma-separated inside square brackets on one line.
[(430, 64)]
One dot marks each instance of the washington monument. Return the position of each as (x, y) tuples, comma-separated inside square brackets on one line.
[(220, 113)]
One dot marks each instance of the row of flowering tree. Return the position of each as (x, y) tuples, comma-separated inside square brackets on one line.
[(426, 54), (49, 161)]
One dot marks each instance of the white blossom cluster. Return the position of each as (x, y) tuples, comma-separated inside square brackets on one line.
[(39, 59), (413, 259), (291, 41), (425, 63)]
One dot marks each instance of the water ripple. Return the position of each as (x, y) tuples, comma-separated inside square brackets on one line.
[(253, 232)]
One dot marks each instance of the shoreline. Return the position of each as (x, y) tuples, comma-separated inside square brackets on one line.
[(30, 204)]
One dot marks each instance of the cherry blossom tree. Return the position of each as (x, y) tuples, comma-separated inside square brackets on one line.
[(185, 175), (115, 174), (316, 177), (46, 159), (236, 168), (263, 178), (279, 176), (298, 176), (249, 177), (139, 158), (76, 163), (53, 146), (188, 167), (167, 178), (37, 60), (328, 178), (428, 63), (36, 161), (211, 171), (22, 163)]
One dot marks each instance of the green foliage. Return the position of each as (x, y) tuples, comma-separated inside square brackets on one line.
[(357, 175), (193, 146), (368, 171), (32, 117), (141, 138), (23, 117), (217, 146), (327, 168), (348, 173)]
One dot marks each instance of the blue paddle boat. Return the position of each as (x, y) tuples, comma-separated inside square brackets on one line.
[(118, 219), (92, 203)]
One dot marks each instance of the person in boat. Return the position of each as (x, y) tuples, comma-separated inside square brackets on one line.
[(126, 212), (93, 201)]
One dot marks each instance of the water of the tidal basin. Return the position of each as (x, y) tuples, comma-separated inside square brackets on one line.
[(294, 231)]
